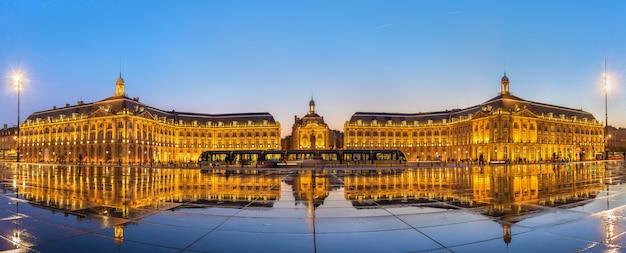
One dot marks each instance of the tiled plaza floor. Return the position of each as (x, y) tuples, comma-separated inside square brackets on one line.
[(560, 208)]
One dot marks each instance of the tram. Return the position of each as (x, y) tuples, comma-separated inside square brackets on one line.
[(288, 158)]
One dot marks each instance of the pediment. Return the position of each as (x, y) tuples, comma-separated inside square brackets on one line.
[(526, 113), (479, 114), (102, 111), (147, 115)]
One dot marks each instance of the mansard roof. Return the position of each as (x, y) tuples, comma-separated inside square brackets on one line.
[(310, 117), (506, 102), (512, 103), (399, 117), (116, 105)]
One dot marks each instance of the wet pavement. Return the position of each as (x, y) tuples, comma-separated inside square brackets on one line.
[(566, 207)]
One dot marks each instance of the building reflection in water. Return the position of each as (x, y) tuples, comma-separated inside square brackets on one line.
[(507, 193), (121, 195)]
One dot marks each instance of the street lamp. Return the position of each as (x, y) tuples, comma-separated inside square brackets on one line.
[(18, 83), (607, 87)]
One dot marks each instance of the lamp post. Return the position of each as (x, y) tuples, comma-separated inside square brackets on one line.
[(607, 87), (18, 82)]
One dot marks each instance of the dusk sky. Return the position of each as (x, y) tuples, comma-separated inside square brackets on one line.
[(219, 57)]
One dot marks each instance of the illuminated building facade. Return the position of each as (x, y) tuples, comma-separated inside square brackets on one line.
[(8, 143), (504, 128), (311, 132), (616, 139), (124, 130)]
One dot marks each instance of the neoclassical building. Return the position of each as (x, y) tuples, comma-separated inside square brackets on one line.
[(616, 139), (121, 129), (504, 128), (8, 143), (311, 132)]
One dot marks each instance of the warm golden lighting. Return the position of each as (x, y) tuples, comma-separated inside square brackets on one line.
[(610, 219), (17, 78), (15, 239)]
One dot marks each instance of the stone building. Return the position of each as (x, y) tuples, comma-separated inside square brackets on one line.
[(8, 143), (616, 139), (125, 130), (504, 128), (311, 132)]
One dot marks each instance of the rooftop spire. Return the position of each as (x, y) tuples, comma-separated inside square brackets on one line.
[(119, 86), (504, 83), (312, 106)]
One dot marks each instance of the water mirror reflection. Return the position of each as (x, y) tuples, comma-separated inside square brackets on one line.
[(552, 207)]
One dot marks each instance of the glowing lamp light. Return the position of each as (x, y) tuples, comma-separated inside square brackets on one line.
[(17, 78)]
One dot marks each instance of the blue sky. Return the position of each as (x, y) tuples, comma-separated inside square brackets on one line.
[(273, 56)]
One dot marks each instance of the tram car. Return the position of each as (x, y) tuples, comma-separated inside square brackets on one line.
[(292, 158)]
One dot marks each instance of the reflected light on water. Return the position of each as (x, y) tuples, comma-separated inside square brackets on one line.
[(118, 233), (116, 196), (609, 220), (16, 239)]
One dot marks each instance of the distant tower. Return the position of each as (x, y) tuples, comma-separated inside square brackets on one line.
[(311, 107), (310, 131), (119, 86), (505, 85)]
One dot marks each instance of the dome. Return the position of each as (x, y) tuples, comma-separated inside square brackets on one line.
[(119, 86), (120, 80), (311, 107), (505, 78), (505, 85)]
